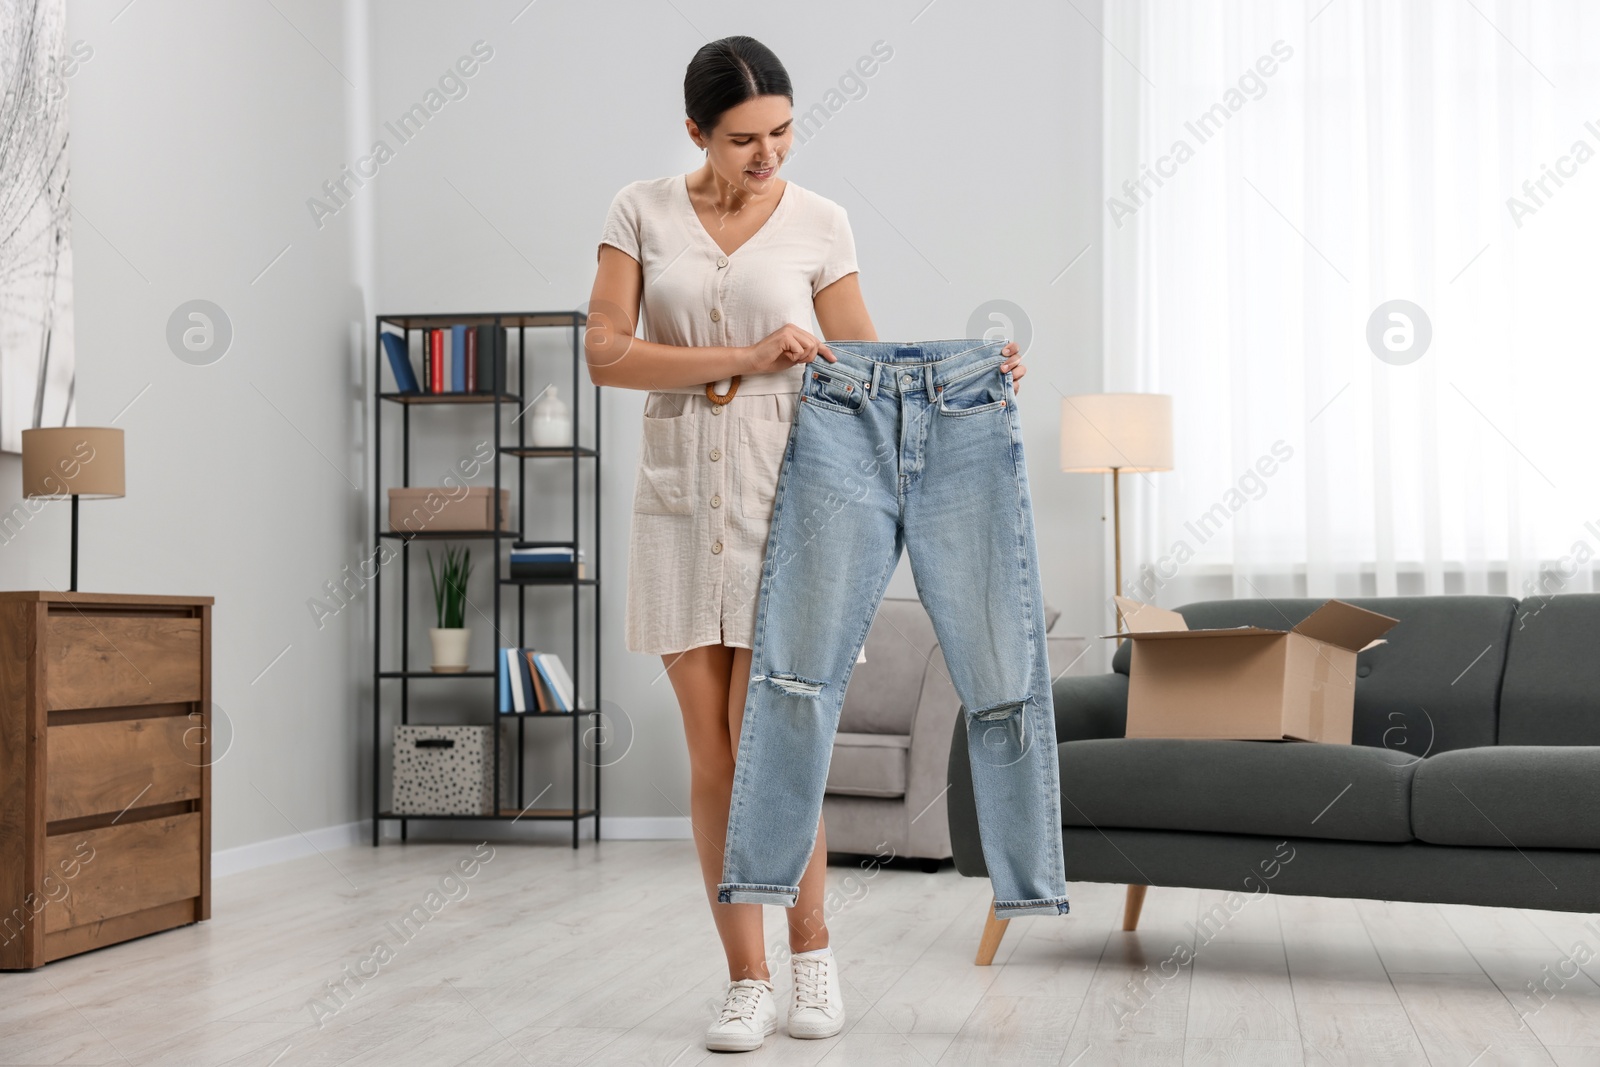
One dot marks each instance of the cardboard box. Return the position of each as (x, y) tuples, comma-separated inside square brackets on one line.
[(424, 509), (1246, 683)]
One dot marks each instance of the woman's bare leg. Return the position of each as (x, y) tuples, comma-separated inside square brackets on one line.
[(808, 926), (700, 677)]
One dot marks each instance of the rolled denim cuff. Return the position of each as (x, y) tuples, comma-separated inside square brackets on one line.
[(744, 893), (1010, 909)]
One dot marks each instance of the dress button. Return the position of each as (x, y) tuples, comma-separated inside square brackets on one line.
[(716, 501), (722, 261), (716, 315), (717, 547), (905, 379), (716, 453), (716, 409)]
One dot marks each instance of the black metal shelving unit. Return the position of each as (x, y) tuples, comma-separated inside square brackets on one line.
[(522, 452)]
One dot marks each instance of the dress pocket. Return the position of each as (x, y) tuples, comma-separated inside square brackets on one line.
[(665, 479), (762, 444)]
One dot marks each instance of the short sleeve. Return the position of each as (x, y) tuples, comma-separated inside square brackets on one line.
[(839, 258), (621, 229)]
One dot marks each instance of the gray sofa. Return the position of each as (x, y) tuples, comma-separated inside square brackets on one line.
[(1474, 776), (886, 777)]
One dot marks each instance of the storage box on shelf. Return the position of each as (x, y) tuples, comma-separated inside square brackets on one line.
[(485, 513), (453, 509), (105, 770)]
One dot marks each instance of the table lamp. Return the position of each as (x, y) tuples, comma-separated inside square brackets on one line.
[(1116, 434), (73, 461)]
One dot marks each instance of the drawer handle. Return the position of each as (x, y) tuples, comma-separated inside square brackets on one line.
[(435, 742)]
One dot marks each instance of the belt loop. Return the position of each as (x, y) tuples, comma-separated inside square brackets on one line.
[(927, 381), (872, 390)]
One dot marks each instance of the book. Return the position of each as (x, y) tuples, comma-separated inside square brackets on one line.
[(458, 359), (546, 556), (436, 360), (505, 682), (491, 359), (394, 346), (541, 692), (555, 676), (534, 572), (518, 700), (529, 699), (472, 362)]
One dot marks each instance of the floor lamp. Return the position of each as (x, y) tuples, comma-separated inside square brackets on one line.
[(1117, 434)]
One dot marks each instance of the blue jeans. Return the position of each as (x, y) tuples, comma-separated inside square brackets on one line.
[(915, 445)]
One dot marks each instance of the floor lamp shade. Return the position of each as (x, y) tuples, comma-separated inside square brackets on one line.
[(1115, 433), (1105, 432), (73, 461)]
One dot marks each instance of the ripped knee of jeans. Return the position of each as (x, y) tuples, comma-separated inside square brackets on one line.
[(1009, 709), (793, 684)]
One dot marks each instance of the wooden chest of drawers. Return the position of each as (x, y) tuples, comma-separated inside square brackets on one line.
[(105, 770)]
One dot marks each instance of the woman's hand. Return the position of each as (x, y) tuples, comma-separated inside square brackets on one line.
[(1013, 364), (783, 348)]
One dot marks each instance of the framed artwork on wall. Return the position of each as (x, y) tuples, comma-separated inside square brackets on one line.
[(37, 361)]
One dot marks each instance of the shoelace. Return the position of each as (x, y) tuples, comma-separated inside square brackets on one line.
[(743, 996), (810, 987)]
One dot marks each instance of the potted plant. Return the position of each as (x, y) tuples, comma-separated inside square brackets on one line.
[(450, 603)]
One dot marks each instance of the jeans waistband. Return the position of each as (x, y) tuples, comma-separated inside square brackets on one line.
[(887, 364)]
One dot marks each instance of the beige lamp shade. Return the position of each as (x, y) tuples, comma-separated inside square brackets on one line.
[(1128, 432), (67, 461)]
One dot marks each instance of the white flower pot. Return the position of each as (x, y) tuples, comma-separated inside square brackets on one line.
[(449, 649)]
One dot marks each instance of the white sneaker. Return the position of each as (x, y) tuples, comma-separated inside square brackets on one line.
[(816, 1008), (749, 1013)]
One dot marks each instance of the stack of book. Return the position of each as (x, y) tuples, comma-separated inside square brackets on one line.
[(461, 359), (537, 563), (534, 681)]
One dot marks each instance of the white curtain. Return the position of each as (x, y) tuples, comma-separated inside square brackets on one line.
[(1276, 171)]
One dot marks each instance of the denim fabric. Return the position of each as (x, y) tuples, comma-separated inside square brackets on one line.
[(914, 445)]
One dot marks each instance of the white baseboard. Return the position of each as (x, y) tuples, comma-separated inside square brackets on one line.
[(280, 849)]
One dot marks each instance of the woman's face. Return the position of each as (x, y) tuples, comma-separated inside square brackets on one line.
[(747, 148)]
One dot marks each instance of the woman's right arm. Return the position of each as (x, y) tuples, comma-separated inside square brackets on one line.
[(616, 357)]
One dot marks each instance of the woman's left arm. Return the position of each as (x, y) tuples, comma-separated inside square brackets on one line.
[(842, 314)]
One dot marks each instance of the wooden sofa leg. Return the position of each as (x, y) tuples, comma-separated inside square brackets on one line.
[(993, 930), (1132, 906)]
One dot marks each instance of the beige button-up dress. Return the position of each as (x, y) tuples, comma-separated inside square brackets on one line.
[(703, 490)]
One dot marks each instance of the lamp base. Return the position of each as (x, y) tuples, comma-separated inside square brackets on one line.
[(72, 586)]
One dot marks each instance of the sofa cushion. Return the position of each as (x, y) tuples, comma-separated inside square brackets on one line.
[(1551, 692), (1274, 788), (1510, 796), (1433, 686), (868, 765), (881, 695)]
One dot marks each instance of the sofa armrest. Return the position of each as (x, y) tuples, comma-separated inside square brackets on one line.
[(1090, 706)]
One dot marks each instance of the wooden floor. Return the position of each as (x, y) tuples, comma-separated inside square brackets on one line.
[(606, 955)]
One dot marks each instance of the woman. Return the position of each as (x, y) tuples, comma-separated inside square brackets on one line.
[(725, 263)]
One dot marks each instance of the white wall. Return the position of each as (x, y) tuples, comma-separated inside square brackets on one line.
[(970, 167), (197, 131)]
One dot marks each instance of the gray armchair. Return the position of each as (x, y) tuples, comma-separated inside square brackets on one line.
[(887, 779)]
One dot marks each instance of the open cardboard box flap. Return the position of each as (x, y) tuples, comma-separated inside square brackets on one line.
[(1336, 622), (1345, 625)]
